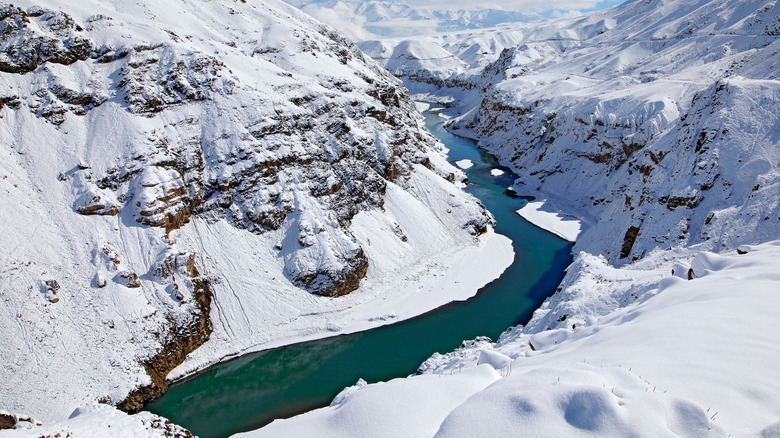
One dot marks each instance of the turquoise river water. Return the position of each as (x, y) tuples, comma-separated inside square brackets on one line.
[(253, 390)]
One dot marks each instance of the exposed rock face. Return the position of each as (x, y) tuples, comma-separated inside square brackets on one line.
[(9, 420), (628, 241), (129, 279), (182, 339), (23, 49), (156, 77)]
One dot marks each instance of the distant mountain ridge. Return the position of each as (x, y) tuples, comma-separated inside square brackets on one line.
[(363, 20)]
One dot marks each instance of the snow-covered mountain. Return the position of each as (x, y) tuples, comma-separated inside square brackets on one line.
[(362, 20), (182, 174), (654, 120), (443, 64)]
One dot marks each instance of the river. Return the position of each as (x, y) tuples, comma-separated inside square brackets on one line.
[(251, 391)]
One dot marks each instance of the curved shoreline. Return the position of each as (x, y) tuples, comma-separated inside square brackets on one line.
[(383, 303)]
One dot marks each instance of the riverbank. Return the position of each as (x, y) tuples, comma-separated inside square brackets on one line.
[(384, 298), (252, 390), (653, 366), (543, 216), (428, 267)]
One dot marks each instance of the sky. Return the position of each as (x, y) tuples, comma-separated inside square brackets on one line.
[(350, 16)]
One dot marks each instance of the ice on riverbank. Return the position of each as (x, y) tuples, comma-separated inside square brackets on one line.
[(422, 106), (465, 164), (539, 214)]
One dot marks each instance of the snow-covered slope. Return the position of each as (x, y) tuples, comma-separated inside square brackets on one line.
[(363, 20), (179, 172), (655, 121), (443, 64), (660, 126), (100, 420), (692, 358)]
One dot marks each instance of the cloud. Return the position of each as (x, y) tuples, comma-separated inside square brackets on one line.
[(507, 5), (531, 6)]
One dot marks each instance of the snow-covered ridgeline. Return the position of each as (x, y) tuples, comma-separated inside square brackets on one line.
[(177, 171), (662, 355)]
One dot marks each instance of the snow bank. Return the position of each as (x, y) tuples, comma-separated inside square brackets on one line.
[(422, 106), (688, 358), (399, 408), (100, 420), (465, 164), (565, 227)]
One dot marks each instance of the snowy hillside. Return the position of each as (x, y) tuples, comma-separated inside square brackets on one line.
[(655, 121), (362, 20), (443, 65), (181, 174)]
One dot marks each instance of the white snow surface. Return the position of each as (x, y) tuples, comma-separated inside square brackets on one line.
[(242, 110), (426, 401), (675, 357), (99, 420), (537, 213), (496, 172), (465, 164)]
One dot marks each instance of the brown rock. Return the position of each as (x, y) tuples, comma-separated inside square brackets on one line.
[(180, 341), (130, 279), (7, 421), (628, 241)]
